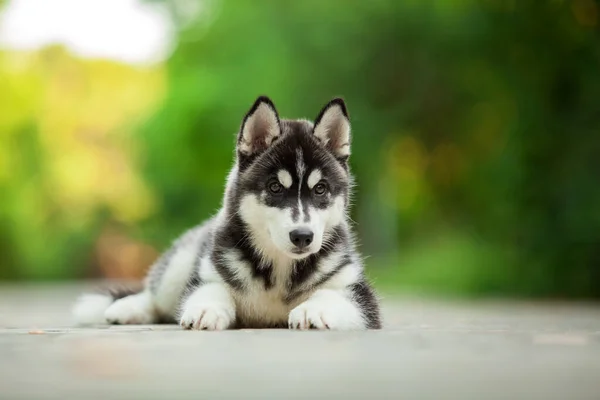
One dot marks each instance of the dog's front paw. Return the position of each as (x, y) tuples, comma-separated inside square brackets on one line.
[(308, 316), (326, 309), (211, 317)]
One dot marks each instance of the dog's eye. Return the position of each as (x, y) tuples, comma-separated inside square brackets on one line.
[(320, 188), (275, 187)]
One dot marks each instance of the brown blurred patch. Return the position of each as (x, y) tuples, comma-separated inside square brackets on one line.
[(448, 164), (586, 12), (118, 256)]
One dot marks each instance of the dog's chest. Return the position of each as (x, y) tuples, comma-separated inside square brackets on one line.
[(260, 307)]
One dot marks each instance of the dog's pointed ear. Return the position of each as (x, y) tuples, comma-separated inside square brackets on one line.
[(332, 128), (259, 129)]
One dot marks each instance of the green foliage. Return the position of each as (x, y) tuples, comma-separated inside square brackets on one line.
[(466, 114), (475, 130)]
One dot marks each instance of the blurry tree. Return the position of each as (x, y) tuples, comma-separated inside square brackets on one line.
[(475, 134), (472, 119), (67, 165)]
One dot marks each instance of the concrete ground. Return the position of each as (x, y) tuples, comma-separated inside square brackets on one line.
[(428, 350)]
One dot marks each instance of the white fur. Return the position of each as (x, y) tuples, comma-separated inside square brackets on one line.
[(134, 309), (334, 122), (285, 178), (314, 178), (257, 307), (345, 277), (209, 307), (333, 215), (208, 271), (256, 215), (271, 226), (89, 309), (242, 270), (262, 124), (327, 309), (178, 271)]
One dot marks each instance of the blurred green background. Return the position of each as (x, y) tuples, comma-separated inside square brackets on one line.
[(476, 138)]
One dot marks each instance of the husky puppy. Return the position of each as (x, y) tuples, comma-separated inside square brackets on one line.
[(279, 253)]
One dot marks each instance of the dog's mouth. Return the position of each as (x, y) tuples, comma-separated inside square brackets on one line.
[(300, 252)]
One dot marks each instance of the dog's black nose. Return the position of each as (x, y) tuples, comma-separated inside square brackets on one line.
[(301, 237)]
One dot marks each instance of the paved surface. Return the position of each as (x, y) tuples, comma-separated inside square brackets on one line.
[(428, 350)]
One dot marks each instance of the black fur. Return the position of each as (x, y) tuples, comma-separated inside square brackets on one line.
[(282, 155), (255, 179), (364, 298), (256, 170), (235, 235), (255, 173)]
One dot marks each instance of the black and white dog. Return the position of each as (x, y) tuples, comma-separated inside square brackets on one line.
[(280, 252)]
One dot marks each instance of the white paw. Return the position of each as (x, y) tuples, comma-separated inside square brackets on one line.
[(307, 316), (211, 317), (131, 310), (326, 309)]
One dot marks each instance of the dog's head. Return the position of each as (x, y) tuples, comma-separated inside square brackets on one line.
[(292, 178)]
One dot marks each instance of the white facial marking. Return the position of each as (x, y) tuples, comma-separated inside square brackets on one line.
[(270, 227), (314, 178), (284, 178)]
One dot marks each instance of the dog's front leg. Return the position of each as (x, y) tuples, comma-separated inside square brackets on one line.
[(209, 307), (328, 309)]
